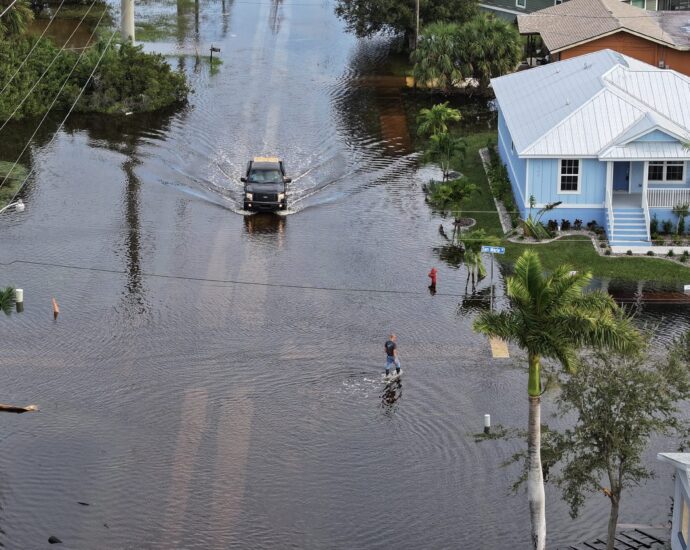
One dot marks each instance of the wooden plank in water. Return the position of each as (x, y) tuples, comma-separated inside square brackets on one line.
[(499, 348)]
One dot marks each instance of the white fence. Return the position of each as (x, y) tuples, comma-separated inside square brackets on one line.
[(667, 198)]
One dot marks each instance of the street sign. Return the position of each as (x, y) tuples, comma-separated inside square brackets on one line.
[(494, 249)]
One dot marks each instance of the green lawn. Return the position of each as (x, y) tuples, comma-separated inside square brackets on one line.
[(479, 205), (582, 256)]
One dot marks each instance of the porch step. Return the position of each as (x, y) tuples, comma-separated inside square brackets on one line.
[(630, 227)]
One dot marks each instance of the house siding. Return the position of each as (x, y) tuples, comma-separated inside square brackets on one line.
[(516, 167), (508, 9), (545, 177), (656, 135), (637, 47)]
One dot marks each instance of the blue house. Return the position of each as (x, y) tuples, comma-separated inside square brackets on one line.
[(604, 134)]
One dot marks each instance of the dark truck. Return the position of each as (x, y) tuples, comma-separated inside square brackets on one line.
[(265, 184)]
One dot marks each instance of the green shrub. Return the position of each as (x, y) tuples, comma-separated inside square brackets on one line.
[(127, 79), (650, 253), (670, 253), (607, 251), (654, 225), (629, 252), (667, 227), (602, 245)]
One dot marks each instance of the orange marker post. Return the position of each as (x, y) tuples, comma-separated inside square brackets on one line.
[(56, 309)]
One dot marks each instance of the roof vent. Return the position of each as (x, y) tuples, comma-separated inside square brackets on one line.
[(587, 65)]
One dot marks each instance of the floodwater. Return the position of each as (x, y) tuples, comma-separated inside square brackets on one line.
[(214, 379)]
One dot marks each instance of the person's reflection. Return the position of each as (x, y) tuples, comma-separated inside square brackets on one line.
[(390, 396)]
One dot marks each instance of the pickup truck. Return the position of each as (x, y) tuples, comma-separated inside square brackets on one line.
[(265, 184)]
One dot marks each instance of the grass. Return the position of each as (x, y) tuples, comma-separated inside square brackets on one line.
[(156, 30), (479, 205), (11, 186), (581, 255)]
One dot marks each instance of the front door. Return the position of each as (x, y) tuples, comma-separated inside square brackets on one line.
[(621, 176)]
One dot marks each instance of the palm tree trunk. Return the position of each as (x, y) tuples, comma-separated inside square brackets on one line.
[(535, 476)]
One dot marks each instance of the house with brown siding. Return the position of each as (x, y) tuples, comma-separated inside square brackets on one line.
[(578, 27)]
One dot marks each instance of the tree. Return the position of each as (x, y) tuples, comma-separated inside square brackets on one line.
[(488, 47), (552, 317), (621, 401), (435, 120), (682, 211), (436, 62), (16, 20), (369, 17), (472, 243), (7, 299), (443, 148)]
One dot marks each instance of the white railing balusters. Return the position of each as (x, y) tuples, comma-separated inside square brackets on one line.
[(667, 198)]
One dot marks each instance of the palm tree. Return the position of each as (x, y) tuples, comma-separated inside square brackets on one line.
[(443, 148), (435, 120), (552, 317), (488, 47), (435, 59), (16, 20), (7, 299)]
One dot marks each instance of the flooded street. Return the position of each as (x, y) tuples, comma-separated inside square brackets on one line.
[(214, 378)]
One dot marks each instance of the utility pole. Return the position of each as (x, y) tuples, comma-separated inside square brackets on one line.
[(416, 34), (127, 20)]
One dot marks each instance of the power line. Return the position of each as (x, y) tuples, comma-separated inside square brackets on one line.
[(60, 51), (8, 8), (81, 55), (33, 47), (628, 300)]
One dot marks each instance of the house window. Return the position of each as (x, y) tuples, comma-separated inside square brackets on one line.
[(521, 3), (570, 176), (557, 2), (671, 171)]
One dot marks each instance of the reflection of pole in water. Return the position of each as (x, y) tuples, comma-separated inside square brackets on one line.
[(274, 16), (135, 290)]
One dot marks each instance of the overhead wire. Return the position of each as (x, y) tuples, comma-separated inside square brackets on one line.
[(626, 300), (45, 116), (32, 48), (8, 8)]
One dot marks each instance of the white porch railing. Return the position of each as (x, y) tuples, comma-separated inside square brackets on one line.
[(667, 198), (647, 218)]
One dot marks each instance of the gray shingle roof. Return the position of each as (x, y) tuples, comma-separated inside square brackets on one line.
[(578, 21)]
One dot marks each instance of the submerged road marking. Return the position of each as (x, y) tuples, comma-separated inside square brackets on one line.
[(192, 426), (499, 348), (232, 451)]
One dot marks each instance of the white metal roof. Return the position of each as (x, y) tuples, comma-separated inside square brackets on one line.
[(588, 104), (647, 150)]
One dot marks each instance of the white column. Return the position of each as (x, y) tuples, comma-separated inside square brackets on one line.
[(645, 177), (609, 183), (127, 19)]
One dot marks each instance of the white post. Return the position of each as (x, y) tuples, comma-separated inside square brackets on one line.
[(609, 180), (127, 20), (18, 295), (487, 423)]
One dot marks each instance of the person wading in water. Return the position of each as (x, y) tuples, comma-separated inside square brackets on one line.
[(392, 354)]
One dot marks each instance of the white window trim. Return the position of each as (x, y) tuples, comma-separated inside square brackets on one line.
[(579, 177), (664, 181), (519, 5)]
